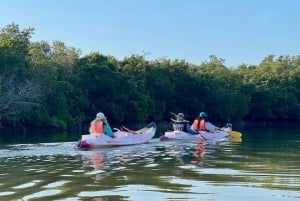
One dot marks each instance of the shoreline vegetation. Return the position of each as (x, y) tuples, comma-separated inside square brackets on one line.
[(46, 85)]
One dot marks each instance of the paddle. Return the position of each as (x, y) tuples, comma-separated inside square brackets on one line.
[(175, 120), (234, 134), (173, 114)]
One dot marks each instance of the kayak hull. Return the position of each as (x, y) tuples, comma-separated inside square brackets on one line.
[(121, 138), (203, 135)]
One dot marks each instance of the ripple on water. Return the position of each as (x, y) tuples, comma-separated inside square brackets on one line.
[(137, 192), (119, 168), (27, 185), (71, 199), (56, 184), (95, 172), (77, 171), (7, 193), (151, 165), (42, 149), (41, 194)]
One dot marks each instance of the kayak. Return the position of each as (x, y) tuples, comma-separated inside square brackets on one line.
[(120, 138), (217, 134), (203, 135)]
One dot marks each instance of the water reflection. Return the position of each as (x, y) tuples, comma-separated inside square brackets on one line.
[(100, 199), (94, 159), (170, 170), (199, 153)]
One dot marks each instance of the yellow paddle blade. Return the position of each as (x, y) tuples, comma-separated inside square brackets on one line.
[(235, 134), (236, 139)]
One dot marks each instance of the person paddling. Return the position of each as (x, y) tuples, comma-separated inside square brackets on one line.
[(100, 125), (181, 124), (201, 123)]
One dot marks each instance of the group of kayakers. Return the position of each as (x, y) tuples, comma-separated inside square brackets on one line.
[(201, 123)]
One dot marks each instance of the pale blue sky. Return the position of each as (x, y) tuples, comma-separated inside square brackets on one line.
[(239, 31)]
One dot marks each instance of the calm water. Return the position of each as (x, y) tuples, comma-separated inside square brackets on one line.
[(264, 166)]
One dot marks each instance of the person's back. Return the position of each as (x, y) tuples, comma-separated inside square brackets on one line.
[(100, 125), (96, 126), (180, 123), (201, 123)]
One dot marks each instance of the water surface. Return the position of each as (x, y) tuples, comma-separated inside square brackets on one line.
[(264, 165)]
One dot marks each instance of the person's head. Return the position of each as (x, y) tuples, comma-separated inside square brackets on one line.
[(180, 116), (101, 116), (203, 115)]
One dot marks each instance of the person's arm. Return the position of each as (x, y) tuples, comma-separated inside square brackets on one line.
[(108, 130), (92, 127), (190, 129)]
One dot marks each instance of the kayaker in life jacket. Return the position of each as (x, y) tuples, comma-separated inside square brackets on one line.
[(201, 123), (100, 125), (181, 124)]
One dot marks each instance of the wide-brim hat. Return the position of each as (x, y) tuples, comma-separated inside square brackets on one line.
[(100, 115)]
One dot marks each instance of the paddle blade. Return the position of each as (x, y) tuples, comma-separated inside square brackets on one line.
[(235, 134), (236, 139)]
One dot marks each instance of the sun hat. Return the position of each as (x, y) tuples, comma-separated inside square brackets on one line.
[(100, 115)]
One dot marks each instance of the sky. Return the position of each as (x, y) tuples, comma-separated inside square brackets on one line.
[(238, 31)]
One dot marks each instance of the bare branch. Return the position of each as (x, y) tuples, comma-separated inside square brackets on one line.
[(16, 98)]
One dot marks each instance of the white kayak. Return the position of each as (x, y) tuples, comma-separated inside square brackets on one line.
[(203, 135), (120, 138)]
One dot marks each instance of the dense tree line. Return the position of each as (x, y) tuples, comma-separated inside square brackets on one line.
[(52, 85)]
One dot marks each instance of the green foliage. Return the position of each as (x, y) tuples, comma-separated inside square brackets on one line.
[(14, 49), (72, 89)]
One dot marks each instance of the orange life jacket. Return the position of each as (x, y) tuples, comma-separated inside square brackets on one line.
[(97, 127), (199, 126)]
